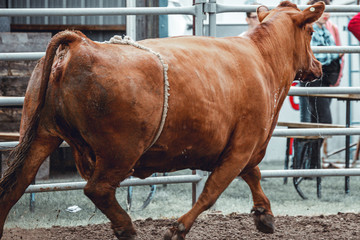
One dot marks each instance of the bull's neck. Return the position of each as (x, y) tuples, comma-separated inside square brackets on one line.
[(276, 45)]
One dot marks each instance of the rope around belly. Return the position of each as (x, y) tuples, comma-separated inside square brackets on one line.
[(128, 41)]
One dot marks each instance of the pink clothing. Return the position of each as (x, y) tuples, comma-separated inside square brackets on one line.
[(333, 29)]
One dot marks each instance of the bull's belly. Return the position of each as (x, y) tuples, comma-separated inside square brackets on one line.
[(161, 162)]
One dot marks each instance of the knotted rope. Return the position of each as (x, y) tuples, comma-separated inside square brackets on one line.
[(128, 41)]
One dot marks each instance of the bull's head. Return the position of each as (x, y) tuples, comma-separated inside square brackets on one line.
[(307, 67)]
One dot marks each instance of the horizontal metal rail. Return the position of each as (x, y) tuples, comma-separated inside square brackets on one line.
[(16, 12), (190, 10), (51, 187), (311, 173), (128, 182), (11, 101), (317, 132), (6, 146), (220, 8), (294, 91), (37, 55), (278, 132), (19, 56), (336, 49), (303, 91)]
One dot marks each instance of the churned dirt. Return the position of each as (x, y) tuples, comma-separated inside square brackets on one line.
[(212, 226)]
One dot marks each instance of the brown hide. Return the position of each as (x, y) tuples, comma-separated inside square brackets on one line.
[(106, 101), (216, 86)]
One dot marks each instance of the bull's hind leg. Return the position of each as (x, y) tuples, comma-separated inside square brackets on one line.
[(263, 217), (217, 182), (101, 188), (25, 162)]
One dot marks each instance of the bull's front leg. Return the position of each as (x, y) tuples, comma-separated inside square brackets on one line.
[(217, 182), (263, 216)]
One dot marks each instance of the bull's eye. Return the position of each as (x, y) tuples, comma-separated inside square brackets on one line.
[(310, 30)]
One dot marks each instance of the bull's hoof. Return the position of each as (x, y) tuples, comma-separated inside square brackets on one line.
[(264, 222), (176, 232), (124, 235)]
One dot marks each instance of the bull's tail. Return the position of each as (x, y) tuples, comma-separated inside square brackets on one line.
[(19, 154), (33, 148), (65, 37)]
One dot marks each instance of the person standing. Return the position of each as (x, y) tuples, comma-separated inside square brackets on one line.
[(317, 109), (333, 29), (252, 20)]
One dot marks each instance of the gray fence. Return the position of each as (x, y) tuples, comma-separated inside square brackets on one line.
[(200, 10)]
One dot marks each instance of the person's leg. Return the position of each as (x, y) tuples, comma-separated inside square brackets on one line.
[(323, 109), (321, 114), (304, 107)]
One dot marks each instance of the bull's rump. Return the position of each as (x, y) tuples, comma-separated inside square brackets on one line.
[(119, 94)]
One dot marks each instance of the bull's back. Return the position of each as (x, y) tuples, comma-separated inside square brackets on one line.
[(215, 70)]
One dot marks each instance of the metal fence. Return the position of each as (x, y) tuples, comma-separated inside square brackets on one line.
[(199, 10)]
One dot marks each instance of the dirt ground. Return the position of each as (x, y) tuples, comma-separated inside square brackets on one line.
[(212, 226)]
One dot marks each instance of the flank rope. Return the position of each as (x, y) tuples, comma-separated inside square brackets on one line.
[(128, 41)]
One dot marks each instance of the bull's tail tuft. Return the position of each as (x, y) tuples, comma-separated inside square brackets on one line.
[(18, 156)]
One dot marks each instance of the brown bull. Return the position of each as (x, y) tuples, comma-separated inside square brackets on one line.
[(107, 102)]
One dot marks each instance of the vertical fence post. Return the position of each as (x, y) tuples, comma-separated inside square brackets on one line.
[(210, 8), (199, 31), (198, 187), (131, 21), (347, 147), (32, 199), (163, 21), (199, 17)]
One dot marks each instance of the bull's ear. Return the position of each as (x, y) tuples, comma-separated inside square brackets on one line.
[(262, 12), (310, 14)]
